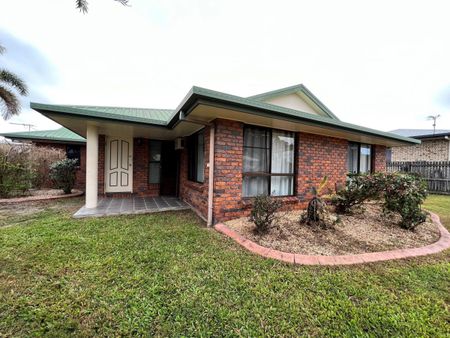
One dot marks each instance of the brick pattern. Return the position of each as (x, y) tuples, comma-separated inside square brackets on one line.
[(431, 150), (229, 141), (195, 193), (80, 181), (317, 157), (442, 244), (380, 158), (141, 187)]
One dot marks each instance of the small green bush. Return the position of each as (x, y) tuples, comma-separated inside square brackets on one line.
[(404, 194), (401, 193), (358, 189), (63, 174), (15, 178), (263, 213)]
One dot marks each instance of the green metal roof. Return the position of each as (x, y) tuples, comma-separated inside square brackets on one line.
[(139, 115), (61, 135), (168, 118)]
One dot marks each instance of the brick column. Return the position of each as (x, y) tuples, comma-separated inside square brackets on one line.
[(228, 170)]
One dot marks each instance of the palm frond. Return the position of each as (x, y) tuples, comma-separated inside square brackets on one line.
[(2, 49), (14, 81), (83, 5), (9, 104)]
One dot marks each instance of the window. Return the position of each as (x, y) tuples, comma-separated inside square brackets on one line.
[(196, 163), (268, 162), (359, 158), (73, 153), (154, 165)]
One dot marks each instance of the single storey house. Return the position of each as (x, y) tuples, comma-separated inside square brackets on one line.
[(64, 139), (216, 151), (434, 146)]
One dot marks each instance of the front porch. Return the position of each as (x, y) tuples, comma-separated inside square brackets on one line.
[(132, 205)]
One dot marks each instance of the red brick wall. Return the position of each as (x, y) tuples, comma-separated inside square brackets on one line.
[(195, 193), (80, 182), (317, 157), (380, 158), (229, 138), (141, 186)]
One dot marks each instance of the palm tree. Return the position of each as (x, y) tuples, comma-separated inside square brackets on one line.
[(9, 102), (82, 5)]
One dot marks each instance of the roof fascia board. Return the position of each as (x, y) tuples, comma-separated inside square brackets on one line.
[(230, 101)]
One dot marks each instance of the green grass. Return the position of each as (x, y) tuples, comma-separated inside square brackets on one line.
[(164, 274)]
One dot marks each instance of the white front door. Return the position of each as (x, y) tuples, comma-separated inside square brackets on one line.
[(119, 164)]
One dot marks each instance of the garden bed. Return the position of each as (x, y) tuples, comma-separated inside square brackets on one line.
[(364, 231), (42, 195)]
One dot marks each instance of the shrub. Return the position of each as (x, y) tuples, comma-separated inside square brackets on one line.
[(263, 212), (358, 189), (16, 174), (63, 174), (15, 179), (40, 159), (401, 193), (404, 194)]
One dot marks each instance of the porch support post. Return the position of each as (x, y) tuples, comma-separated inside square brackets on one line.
[(91, 166)]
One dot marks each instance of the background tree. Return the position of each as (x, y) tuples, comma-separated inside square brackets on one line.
[(82, 5), (9, 83)]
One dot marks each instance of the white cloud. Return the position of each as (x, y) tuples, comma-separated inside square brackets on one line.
[(382, 64)]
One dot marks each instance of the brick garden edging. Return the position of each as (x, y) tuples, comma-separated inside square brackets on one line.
[(39, 198), (442, 244)]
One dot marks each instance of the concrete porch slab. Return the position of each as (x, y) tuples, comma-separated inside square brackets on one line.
[(132, 205)]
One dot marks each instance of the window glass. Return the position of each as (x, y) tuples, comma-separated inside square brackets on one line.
[(364, 160), (359, 158), (282, 185), (200, 157), (196, 158), (155, 162), (353, 158), (267, 154), (255, 185), (73, 152)]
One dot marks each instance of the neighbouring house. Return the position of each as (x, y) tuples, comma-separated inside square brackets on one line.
[(434, 146), (71, 143), (216, 151)]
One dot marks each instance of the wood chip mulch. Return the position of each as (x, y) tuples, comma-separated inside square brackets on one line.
[(367, 230)]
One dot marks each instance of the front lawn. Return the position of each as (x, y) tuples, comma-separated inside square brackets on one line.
[(164, 274)]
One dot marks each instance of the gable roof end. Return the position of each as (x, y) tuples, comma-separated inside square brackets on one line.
[(300, 88)]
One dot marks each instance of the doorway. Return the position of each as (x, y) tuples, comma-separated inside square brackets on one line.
[(164, 167)]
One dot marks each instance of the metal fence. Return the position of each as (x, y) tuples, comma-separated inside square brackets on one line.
[(437, 174)]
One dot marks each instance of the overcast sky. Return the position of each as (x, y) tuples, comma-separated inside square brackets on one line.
[(383, 64)]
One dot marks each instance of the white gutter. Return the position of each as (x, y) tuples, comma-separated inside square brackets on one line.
[(211, 175)]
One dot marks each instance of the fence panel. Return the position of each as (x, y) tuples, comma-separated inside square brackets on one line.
[(437, 174)]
